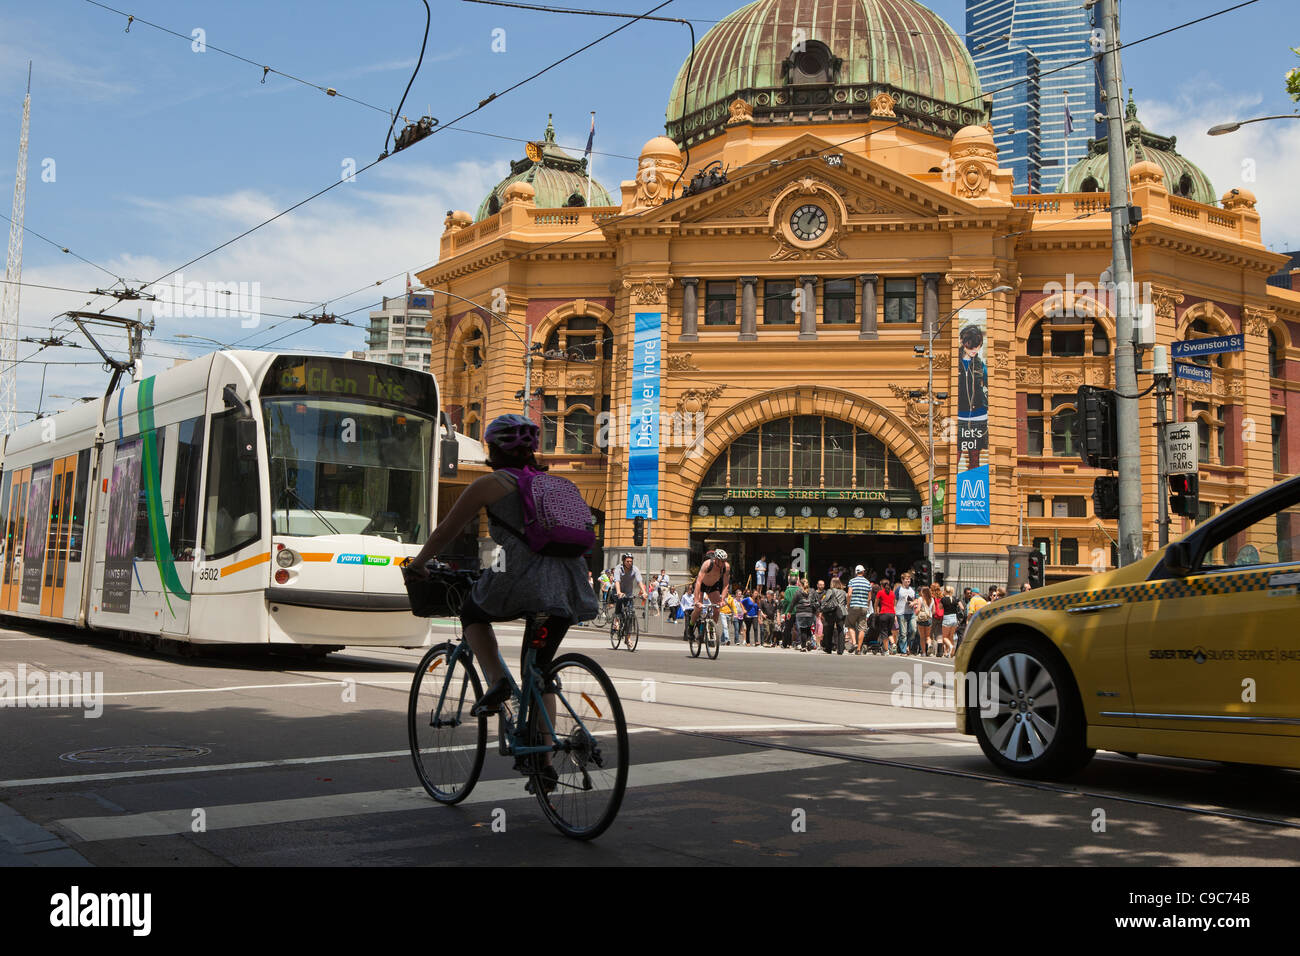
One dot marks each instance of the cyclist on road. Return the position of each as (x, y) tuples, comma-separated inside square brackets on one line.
[(713, 580), (525, 582), (627, 578)]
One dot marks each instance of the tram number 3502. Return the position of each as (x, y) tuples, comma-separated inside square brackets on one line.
[(209, 574)]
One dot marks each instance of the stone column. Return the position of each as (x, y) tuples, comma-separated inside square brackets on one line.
[(808, 318), (690, 310), (868, 282), (931, 303), (748, 309)]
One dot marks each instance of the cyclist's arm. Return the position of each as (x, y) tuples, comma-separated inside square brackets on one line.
[(481, 493)]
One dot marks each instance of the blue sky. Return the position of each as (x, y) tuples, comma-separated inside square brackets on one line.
[(158, 153)]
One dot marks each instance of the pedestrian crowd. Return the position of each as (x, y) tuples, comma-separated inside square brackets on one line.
[(868, 612)]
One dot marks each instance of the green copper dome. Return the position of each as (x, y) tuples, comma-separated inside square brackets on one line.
[(559, 179), (804, 61), (1182, 176)]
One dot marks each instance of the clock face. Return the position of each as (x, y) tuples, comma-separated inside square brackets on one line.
[(859, 512), (780, 511), (728, 511), (806, 511), (832, 512), (702, 511), (753, 511), (809, 222), (913, 513), (885, 512)]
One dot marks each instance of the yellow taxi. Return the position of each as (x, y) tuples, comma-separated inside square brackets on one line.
[(1193, 651)]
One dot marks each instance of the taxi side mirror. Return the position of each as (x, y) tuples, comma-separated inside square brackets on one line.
[(1178, 559)]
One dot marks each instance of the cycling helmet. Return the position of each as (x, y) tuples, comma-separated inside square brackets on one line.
[(625, 556), (512, 433), (720, 554)]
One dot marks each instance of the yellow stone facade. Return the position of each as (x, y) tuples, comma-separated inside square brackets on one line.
[(900, 203)]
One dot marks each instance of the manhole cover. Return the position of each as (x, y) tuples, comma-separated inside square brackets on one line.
[(142, 753)]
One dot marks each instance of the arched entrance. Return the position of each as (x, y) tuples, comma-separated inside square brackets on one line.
[(816, 480)]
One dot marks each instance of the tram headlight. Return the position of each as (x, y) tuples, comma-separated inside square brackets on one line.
[(287, 557)]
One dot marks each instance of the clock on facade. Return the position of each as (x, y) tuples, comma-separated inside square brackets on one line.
[(859, 512), (702, 511), (913, 513), (832, 512), (753, 511), (806, 511), (728, 511), (885, 512), (780, 511), (808, 223)]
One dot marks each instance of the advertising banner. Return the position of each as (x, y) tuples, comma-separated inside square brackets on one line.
[(972, 419), (939, 499), (119, 551), (38, 521), (643, 453)]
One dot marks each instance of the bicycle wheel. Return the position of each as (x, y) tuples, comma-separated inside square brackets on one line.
[(591, 754), (696, 640), (614, 636), (447, 744), (633, 632), (711, 640)]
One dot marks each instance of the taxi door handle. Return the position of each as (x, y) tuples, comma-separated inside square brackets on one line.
[(1092, 608)]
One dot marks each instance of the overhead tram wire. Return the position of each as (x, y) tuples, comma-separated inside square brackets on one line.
[(482, 104)]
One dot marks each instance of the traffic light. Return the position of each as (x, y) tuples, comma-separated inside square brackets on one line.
[(922, 572), (1183, 495), (1096, 421), (1036, 569), (638, 531), (1105, 497)]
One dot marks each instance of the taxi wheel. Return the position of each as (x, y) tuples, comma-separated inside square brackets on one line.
[(1038, 729)]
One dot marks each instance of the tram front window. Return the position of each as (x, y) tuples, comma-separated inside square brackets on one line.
[(345, 467)]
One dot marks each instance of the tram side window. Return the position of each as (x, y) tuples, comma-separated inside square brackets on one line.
[(143, 536), (78, 533), (233, 512), (185, 492), (4, 510)]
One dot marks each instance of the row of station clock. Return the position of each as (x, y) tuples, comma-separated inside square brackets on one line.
[(728, 511)]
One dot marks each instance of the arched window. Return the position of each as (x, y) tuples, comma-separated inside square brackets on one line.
[(1276, 356), (1201, 329), (811, 63), (1100, 341), (1090, 185), (1064, 439), (468, 377), (1034, 344), (1184, 187), (577, 356)]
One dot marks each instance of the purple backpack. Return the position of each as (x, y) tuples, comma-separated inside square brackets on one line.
[(557, 521)]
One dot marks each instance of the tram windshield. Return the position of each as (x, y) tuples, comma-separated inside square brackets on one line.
[(341, 464)]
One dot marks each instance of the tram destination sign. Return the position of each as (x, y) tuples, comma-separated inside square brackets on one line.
[(1194, 348)]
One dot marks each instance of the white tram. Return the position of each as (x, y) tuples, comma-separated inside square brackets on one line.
[(240, 498)]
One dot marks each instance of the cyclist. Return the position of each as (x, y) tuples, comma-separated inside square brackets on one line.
[(714, 580), (525, 582), (626, 579)]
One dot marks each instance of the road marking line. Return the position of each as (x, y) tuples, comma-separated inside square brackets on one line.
[(265, 813)]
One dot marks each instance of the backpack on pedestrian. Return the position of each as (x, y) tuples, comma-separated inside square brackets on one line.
[(557, 520)]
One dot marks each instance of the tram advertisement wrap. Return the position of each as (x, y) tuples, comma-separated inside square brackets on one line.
[(38, 519), (643, 453), (119, 553), (973, 419)]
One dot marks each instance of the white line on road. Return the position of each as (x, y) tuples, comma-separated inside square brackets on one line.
[(234, 816)]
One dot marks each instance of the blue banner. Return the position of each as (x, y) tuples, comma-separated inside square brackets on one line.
[(1193, 373), (643, 450), (973, 496), (1213, 346)]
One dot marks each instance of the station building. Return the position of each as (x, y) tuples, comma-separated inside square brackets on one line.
[(849, 167)]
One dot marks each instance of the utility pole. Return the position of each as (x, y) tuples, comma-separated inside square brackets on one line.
[(1160, 368), (1130, 463), (11, 295)]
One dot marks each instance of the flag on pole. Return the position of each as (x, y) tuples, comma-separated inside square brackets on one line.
[(591, 137), (1069, 118)]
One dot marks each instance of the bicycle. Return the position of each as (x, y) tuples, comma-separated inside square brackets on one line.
[(583, 728), (704, 635), (624, 628)]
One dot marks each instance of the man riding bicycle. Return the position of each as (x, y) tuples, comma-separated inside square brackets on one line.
[(626, 579), (713, 580)]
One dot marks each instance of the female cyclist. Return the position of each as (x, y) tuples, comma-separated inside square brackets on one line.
[(523, 582)]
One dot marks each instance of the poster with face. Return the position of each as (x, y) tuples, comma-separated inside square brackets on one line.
[(972, 418), (119, 555), (38, 520)]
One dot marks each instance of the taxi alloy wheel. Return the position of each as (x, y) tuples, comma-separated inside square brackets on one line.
[(1038, 729)]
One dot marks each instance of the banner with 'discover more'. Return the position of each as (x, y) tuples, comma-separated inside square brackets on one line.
[(643, 453)]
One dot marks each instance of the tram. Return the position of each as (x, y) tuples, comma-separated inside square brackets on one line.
[(251, 498)]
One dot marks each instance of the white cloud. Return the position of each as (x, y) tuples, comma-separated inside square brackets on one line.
[(1258, 157)]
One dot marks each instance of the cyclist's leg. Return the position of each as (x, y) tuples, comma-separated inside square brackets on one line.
[(482, 639), (556, 628)]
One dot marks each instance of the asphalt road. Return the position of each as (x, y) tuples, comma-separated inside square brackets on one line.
[(764, 756)]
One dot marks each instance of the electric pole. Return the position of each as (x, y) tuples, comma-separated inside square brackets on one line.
[(1130, 462), (11, 295)]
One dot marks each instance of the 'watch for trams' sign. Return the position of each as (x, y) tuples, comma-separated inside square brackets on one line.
[(1180, 448)]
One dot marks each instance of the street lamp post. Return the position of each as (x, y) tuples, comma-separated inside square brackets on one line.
[(1233, 127), (932, 335)]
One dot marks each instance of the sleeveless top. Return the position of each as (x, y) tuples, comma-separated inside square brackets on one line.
[(530, 583)]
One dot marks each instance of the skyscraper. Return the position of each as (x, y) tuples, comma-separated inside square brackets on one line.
[(1021, 42)]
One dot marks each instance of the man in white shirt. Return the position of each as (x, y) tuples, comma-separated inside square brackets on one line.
[(760, 572)]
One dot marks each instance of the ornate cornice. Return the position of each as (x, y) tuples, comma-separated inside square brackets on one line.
[(1257, 321), (695, 401), (649, 291), (971, 285), (1166, 301)]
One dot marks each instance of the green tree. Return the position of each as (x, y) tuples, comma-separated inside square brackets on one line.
[(1293, 79)]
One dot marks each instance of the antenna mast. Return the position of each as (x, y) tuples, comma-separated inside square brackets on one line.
[(9, 298)]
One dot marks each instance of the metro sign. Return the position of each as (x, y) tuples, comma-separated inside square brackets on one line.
[(973, 496)]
